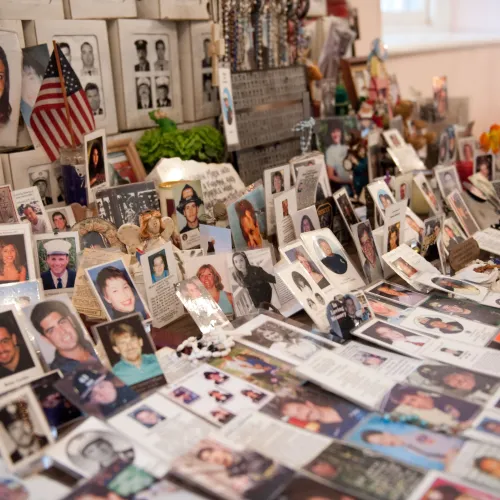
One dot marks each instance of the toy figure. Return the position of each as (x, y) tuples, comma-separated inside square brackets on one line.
[(378, 91), (356, 161), (414, 130)]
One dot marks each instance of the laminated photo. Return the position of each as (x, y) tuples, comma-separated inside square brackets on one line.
[(247, 219), (94, 445), (159, 269), (364, 472), (381, 195), (367, 251), (296, 252), (305, 220), (393, 337), (59, 332), (159, 425), (62, 219), (96, 165), (215, 239), (202, 393), (25, 432), (285, 204), (282, 340), (199, 303), (386, 310), (447, 179), (16, 254), (30, 209), (317, 411), (462, 213), (21, 294), (211, 466), (406, 443), (115, 290), (212, 271), (276, 181), (253, 281), (442, 325), (189, 207), (131, 353), (96, 391), (397, 293), (19, 362), (455, 381), (346, 209), (435, 408), (57, 261), (327, 251)]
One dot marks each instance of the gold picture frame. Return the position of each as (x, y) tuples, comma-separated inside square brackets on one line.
[(126, 162)]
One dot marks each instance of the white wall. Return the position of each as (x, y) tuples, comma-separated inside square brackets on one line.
[(472, 72)]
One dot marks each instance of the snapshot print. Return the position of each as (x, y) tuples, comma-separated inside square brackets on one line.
[(62, 219), (367, 251), (96, 160), (41, 176), (397, 293), (15, 257), (189, 205), (30, 209), (484, 164)]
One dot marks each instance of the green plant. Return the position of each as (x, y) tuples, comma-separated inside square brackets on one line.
[(204, 144)]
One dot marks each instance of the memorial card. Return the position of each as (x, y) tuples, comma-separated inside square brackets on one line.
[(428, 194), (346, 209), (276, 181), (462, 213), (447, 179), (30, 209), (96, 163), (381, 195), (16, 258), (367, 251), (305, 220), (285, 204)]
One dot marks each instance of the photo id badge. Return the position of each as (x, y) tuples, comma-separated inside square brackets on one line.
[(228, 111)]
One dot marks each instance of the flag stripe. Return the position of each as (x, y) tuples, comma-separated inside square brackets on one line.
[(80, 104), (61, 132), (60, 116), (56, 140), (44, 139)]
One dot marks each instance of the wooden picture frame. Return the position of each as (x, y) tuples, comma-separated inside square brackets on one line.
[(349, 67), (119, 147)]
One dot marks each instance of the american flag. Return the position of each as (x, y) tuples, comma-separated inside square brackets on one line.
[(48, 118)]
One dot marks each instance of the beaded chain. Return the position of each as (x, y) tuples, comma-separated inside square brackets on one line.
[(305, 127), (215, 344)]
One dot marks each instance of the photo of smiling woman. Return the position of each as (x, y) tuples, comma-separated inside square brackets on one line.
[(97, 173), (12, 261), (313, 271), (212, 281), (248, 224), (5, 107)]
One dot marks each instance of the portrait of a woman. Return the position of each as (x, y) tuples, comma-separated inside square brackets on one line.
[(253, 278), (249, 224), (439, 324), (306, 224), (302, 284), (313, 271), (393, 237), (5, 107), (96, 164), (212, 281), (11, 269)]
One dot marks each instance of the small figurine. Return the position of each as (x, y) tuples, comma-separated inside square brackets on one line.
[(154, 231), (356, 161), (415, 131)]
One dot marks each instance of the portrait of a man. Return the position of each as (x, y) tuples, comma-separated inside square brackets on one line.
[(38, 224), (147, 416), (333, 261), (14, 355), (162, 92), (94, 98), (207, 60), (60, 222), (55, 322), (88, 61), (144, 100), (40, 180), (59, 275), (188, 206), (161, 64), (66, 50), (371, 266), (141, 46)]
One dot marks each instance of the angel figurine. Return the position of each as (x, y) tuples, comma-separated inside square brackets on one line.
[(154, 231)]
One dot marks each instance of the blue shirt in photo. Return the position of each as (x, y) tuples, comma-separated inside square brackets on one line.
[(130, 374)]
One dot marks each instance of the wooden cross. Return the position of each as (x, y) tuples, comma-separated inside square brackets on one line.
[(216, 50)]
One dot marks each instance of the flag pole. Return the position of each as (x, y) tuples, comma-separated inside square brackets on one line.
[(65, 97)]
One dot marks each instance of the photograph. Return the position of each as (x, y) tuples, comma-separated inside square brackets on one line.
[(57, 261), (484, 164), (447, 179), (393, 236), (462, 212), (212, 271), (452, 235), (444, 149), (63, 340), (332, 136), (305, 220), (381, 195), (276, 180), (406, 443), (334, 261), (440, 90), (434, 408), (393, 138), (247, 219), (61, 219), (188, 201), (440, 487), (344, 313), (297, 252), (428, 194), (316, 410), (467, 149), (8, 212), (215, 239), (25, 432), (367, 251), (20, 294), (158, 266), (115, 290), (131, 353), (455, 286), (305, 488), (58, 411), (144, 93), (96, 160), (146, 416), (217, 468), (40, 178), (14, 258), (429, 243), (386, 310), (96, 391), (345, 207), (397, 293), (407, 269), (30, 209), (403, 187)]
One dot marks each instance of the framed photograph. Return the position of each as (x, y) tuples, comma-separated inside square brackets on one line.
[(247, 219), (447, 179), (60, 333), (57, 256), (467, 149), (354, 77), (146, 69), (131, 353), (173, 9), (199, 98), (86, 47), (115, 290), (61, 219), (31, 9), (16, 255), (10, 96), (125, 160), (484, 164), (394, 138), (25, 432), (99, 9), (462, 213)]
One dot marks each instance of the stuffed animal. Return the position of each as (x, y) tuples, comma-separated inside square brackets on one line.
[(415, 131)]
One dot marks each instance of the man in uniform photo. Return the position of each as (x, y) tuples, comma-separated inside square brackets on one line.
[(66, 50), (58, 275), (92, 92), (14, 356), (162, 91), (142, 54), (87, 55), (40, 179), (188, 206), (16, 419), (144, 94), (161, 64), (207, 60), (55, 322)]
